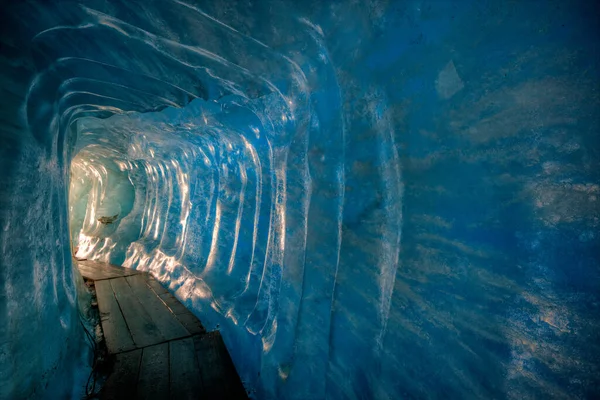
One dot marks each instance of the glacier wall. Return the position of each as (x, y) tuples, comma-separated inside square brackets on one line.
[(43, 353), (382, 199)]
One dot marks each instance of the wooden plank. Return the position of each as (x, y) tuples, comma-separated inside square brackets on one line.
[(108, 267), (96, 270), (155, 285), (186, 382), (91, 273), (166, 322), (211, 369), (121, 383), (191, 323), (116, 332), (174, 305), (234, 387), (153, 382), (219, 377), (143, 330), (185, 317)]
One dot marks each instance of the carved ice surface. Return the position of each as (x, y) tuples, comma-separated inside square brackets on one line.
[(382, 199)]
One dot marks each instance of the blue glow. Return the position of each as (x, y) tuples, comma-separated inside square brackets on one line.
[(383, 199)]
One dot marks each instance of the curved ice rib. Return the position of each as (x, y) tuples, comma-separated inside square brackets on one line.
[(330, 185)]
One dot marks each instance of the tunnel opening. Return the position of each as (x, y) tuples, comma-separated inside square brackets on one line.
[(369, 200), (101, 195)]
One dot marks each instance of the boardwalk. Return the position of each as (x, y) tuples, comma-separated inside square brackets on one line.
[(161, 349)]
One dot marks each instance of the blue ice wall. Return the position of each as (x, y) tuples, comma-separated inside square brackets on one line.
[(43, 353), (383, 199)]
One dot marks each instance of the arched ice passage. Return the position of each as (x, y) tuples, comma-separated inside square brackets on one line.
[(371, 200)]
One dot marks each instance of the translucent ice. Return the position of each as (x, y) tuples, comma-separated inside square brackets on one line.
[(383, 199)]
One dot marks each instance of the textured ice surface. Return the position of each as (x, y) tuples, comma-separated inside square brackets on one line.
[(383, 199)]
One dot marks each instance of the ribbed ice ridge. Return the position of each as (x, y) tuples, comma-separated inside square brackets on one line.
[(379, 199)]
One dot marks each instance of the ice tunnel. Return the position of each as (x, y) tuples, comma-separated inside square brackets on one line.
[(375, 199)]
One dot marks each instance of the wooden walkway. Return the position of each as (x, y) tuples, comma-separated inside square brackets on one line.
[(161, 349)]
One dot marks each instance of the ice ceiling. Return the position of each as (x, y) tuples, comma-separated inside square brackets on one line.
[(382, 199)]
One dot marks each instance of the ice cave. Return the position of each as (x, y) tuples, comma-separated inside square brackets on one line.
[(367, 199)]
